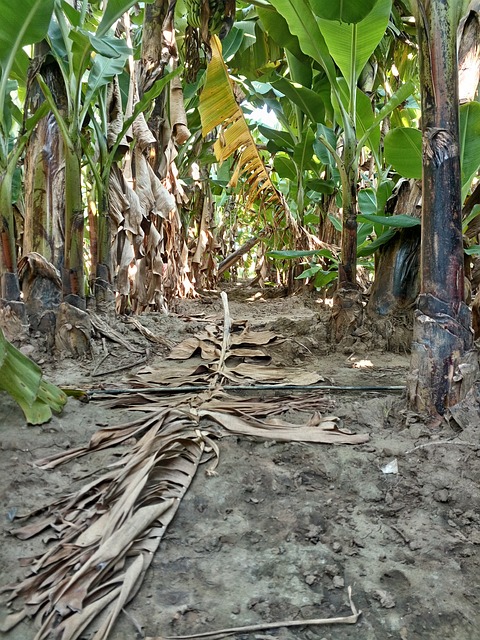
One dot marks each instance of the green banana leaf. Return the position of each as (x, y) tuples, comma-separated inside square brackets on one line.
[(113, 11), (285, 167), (309, 101), (277, 27), (469, 143), (403, 147), (350, 11), (23, 380), (303, 24), (347, 42), (403, 150), (400, 221), (282, 140), (21, 23)]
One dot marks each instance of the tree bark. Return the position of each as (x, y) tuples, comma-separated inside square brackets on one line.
[(442, 335), (73, 287), (397, 278), (347, 308), (347, 269)]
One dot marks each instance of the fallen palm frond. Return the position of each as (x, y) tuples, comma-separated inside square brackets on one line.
[(243, 373), (237, 343), (253, 417), (234, 415), (104, 536), (218, 106)]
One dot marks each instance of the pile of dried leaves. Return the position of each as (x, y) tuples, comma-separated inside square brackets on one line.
[(234, 354), (101, 539)]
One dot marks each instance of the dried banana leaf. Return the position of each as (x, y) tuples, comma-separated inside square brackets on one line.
[(103, 537), (115, 524)]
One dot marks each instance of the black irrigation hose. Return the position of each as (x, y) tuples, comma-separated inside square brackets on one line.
[(241, 387)]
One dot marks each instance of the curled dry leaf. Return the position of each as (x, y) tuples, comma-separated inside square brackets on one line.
[(103, 536), (116, 523)]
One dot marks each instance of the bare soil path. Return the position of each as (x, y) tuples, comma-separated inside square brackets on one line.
[(283, 529)]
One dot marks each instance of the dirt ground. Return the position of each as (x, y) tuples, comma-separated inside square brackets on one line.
[(284, 528)]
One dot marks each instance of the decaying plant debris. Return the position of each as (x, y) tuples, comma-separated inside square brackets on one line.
[(282, 528), (101, 539)]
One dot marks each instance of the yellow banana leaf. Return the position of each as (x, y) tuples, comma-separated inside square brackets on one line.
[(219, 107)]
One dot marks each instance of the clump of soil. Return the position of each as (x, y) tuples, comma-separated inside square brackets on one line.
[(284, 528)]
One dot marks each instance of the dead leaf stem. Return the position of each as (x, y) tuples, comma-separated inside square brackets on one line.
[(227, 326), (121, 367), (459, 443), (352, 619)]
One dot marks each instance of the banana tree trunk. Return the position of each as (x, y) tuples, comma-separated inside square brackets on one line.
[(44, 174), (156, 55), (72, 271), (101, 255), (347, 269), (347, 308), (45, 193), (442, 337), (51, 190)]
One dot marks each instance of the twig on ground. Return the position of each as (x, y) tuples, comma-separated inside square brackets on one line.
[(272, 625), (401, 534), (459, 443), (149, 335), (122, 367), (102, 359), (106, 330)]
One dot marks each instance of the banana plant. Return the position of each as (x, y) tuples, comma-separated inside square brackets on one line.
[(341, 35), (101, 168), (21, 25), (87, 61), (312, 96)]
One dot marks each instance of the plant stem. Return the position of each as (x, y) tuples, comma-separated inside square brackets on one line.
[(8, 262), (73, 277)]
